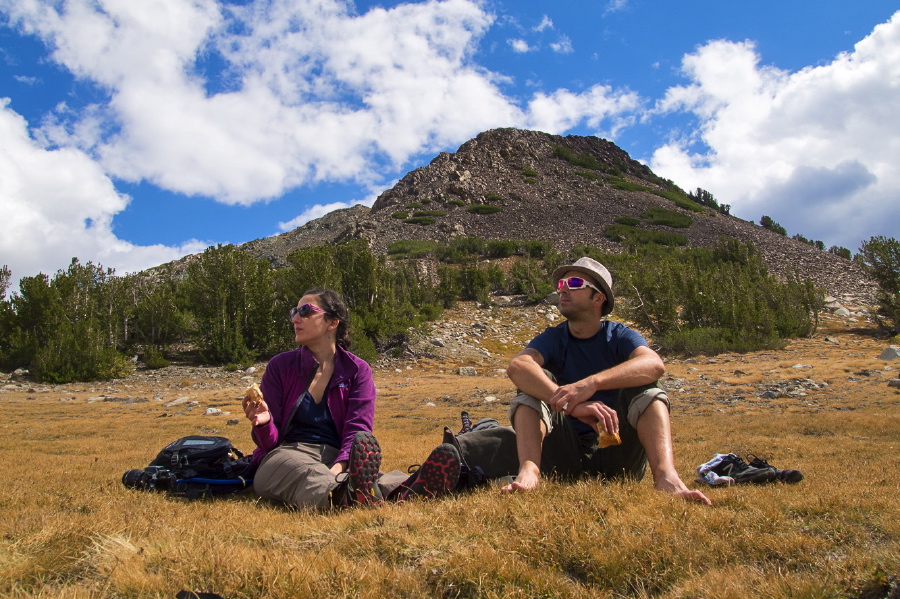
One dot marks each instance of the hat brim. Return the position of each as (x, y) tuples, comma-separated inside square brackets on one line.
[(610, 300)]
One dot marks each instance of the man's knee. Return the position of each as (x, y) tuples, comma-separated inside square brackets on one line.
[(534, 408), (639, 399)]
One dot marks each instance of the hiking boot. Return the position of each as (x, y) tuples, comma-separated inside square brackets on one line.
[(362, 473), (785, 476), (466, 423), (438, 475), (732, 466)]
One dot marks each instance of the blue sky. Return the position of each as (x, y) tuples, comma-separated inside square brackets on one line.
[(132, 133)]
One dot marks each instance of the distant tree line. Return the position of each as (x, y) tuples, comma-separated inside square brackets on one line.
[(880, 257), (768, 223), (228, 308)]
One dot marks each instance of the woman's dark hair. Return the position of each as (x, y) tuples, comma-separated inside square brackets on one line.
[(335, 308)]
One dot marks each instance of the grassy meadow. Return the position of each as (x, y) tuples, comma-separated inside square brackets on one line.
[(71, 529)]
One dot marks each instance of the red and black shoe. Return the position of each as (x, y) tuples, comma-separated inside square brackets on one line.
[(437, 476), (363, 470)]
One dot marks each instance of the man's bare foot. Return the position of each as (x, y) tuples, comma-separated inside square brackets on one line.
[(528, 479), (678, 488)]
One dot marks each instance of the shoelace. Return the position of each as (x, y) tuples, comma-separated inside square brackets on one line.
[(734, 465), (757, 462)]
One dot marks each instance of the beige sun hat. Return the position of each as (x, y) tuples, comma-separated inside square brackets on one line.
[(595, 271)]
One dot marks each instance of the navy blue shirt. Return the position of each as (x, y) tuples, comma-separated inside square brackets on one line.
[(571, 359), (312, 423)]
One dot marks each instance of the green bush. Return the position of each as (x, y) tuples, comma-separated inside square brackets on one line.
[(400, 215), (79, 353), (628, 221), (589, 175), (153, 358), (530, 180), (711, 341), (708, 301), (493, 197), (536, 249), (576, 159), (528, 172), (419, 220), (484, 209), (448, 285), (680, 201), (625, 185), (637, 237), (474, 283), (500, 249), (526, 277), (880, 257), (767, 223), (412, 248), (668, 218), (840, 251), (456, 203)]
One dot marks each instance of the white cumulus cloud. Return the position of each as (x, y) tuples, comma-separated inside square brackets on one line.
[(816, 147), (58, 205)]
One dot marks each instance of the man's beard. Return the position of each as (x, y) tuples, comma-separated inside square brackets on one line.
[(568, 310)]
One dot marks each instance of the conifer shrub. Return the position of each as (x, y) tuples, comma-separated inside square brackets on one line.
[(154, 358), (702, 301), (493, 197), (528, 172), (625, 185), (448, 285), (880, 257), (400, 215), (79, 353), (527, 277), (419, 220), (413, 248), (484, 209), (767, 223), (574, 158), (680, 200), (638, 237), (628, 221), (668, 218), (456, 202), (462, 249), (530, 180), (678, 197), (474, 283), (841, 251), (590, 175), (500, 248), (535, 249)]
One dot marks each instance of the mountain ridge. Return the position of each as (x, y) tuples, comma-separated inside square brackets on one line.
[(542, 190)]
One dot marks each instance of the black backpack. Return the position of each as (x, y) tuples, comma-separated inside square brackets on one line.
[(193, 467)]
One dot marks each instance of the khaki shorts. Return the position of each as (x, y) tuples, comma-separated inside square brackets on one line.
[(636, 406)]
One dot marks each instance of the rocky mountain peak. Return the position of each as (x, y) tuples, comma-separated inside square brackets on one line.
[(519, 184)]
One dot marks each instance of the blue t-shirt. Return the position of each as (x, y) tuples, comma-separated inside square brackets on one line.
[(571, 359), (312, 423)]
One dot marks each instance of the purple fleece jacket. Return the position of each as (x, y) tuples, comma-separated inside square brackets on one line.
[(350, 396)]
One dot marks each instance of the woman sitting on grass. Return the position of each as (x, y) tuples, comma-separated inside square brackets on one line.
[(313, 428)]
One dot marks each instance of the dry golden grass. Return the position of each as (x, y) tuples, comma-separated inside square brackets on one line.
[(70, 529)]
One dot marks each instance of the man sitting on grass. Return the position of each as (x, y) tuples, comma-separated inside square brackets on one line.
[(584, 376)]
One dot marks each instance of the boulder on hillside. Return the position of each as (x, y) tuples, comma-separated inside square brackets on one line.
[(891, 353)]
